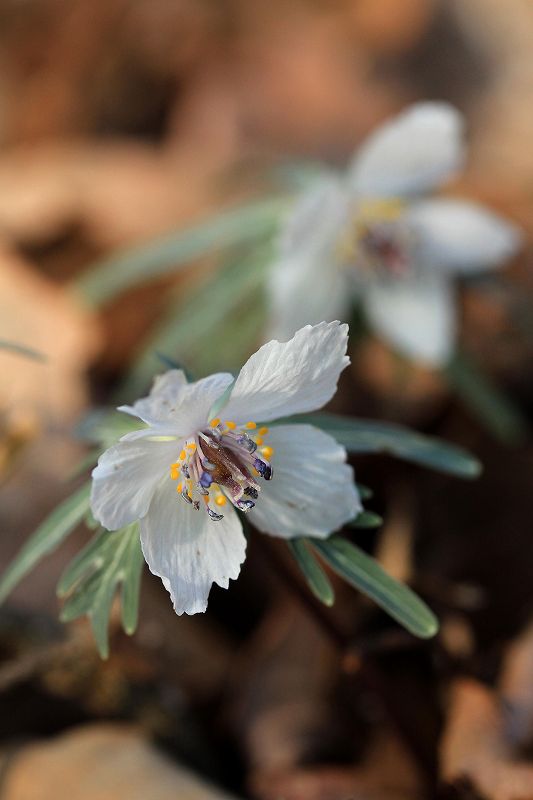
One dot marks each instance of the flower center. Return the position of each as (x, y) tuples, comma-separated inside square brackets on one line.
[(222, 463), (377, 238)]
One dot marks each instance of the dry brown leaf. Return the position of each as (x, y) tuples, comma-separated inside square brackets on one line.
[(474, 747), (516, 687), (284, 680), (117, 193), (387, 773), (41, 316), (100, 762)]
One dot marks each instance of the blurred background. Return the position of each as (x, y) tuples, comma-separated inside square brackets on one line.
[(121, 121)]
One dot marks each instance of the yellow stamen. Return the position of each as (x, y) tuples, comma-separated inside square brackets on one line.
[(259, 441), (191, 447), (254, 471), (221, 500), (263, 431), (183, 455), (174, 472), (214, 422), (250, 426), (179, 488), (230, 425), (267, 451)]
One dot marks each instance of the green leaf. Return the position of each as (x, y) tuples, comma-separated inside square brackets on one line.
[(488, 403), (221, 401), (364, 572), (315, 576), (369, 436), (172, 252), (48, 536), (365, 493), (212, 326), (366, 519), (110, 560), (22, 350)]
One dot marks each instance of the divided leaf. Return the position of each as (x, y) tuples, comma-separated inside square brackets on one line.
[(48, 536), (110, 560)]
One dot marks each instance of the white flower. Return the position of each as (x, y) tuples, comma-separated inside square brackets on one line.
[(372, 233), (184, 475)]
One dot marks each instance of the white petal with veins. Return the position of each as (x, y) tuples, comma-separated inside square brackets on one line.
[(312, 492), (184, 412), (189, 551), (292, 377), (125, 479)]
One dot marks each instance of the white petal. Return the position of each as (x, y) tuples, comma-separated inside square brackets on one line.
[(414, 152), (305, 290), (182, 407), (317, 219), (306, 284), (462, 236), (312, 492), (125, 479), (291, 377), (165, 390), (188, 550), (417, 317)]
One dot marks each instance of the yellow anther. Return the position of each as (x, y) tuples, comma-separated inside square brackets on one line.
[(250, 426), (191, 447), (267, 451), (221, 500), (230, 425), (259, 441), (263, 431), (214, 422), (179, 488), (174, 472), (254, 471), (183, 455)]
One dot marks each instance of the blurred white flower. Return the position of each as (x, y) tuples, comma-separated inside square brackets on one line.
[(184, 475), (372, 233)]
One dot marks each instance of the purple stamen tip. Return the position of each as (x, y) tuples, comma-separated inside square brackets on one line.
[(245, 505), (206, 480)]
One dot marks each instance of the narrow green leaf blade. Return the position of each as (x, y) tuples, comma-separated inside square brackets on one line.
[(22, 350), (49, 535), (366, 519), (491, 406), (316, 578), (365, 493), (221, 401), (369, 436), (365, 573), (209, 326), (131, 586), (168, 254)]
